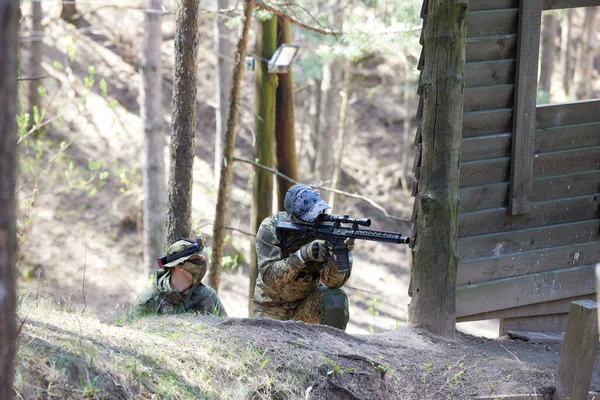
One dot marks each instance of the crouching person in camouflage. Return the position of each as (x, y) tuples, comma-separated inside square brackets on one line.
[(177, 287), (302, 282)]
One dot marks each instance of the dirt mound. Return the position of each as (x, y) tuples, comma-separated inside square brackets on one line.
[(70, 355)]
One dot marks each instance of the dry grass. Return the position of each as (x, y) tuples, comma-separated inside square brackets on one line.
[(66, 354), (71, 356)]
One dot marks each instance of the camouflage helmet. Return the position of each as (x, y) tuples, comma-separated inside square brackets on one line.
[(304, 202), (180, 246)]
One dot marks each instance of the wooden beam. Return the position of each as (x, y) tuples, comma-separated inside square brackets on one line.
[(484, 73), (524, 290), (575, 112), (549, 307), (495, 195), (528, 262), (521, 167), (476, 173), (545, 213), (479, 123), (566, 137), (479, 5), (549, 323), (530, 239), (493, 22), (489, 97), (578, 352), (487, 48), (558, 4)]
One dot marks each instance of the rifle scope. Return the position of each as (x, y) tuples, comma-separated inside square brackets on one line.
[(346, 219)]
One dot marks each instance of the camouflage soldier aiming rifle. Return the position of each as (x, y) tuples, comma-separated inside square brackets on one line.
[(300, 282), (177, 287)]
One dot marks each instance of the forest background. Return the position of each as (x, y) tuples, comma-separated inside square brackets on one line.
[(80, 189)]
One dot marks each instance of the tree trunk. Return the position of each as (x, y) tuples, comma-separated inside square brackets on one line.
[(315, 113), (339, 143), (285, 136), (548, 51), (264, 129), (583, 83), (181, 149), (9, 100), (565, 57), (330, 101), (69, 11), (214, 271), (37, 52), (155, 198), (223, 83), (433, 304)]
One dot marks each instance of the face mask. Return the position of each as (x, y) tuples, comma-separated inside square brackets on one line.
[(196, 270)]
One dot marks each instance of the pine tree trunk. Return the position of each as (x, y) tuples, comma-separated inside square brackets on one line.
[(565, 56), (214, 272), (315, 113), (285, 136), (330, 103), (433, 303), (548, 51), (223, 83), (264, 129), (37, 52), (69, 11), (181, 149), (340, 137), (588, 45), (155, 198), (9, 100)]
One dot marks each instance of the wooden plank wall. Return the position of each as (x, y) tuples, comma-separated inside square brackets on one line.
[(513, 265)]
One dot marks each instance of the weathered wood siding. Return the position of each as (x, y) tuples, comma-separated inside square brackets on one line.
[(534, 263)]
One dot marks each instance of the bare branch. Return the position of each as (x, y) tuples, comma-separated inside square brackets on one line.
[(353, 195), (279, 13)]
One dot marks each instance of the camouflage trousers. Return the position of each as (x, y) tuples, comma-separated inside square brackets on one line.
[(322, 306)]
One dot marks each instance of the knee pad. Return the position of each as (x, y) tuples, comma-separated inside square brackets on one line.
[(333, 308)]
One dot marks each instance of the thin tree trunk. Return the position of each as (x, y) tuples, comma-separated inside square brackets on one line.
[(285, 136), (339, 143), (155, 198), (37, 52), (548, 51), (264, 129), (223, 83), (315, 113), (588, 47), (565, 57), (9, 100), (330, 101), (69, 11), (214, 271), (433, 303), (181, 149)]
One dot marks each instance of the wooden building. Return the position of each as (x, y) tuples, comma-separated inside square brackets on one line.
[(529, 227)]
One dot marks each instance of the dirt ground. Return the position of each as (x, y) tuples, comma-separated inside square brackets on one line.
[(82, 241)]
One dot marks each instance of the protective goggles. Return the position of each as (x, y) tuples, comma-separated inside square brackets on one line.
[(196, 247)]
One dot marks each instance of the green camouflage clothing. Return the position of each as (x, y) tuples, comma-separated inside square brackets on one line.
[(285, 287), (162, 299)]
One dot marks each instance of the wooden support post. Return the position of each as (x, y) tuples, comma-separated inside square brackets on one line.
[(578, 352), (521, 169)]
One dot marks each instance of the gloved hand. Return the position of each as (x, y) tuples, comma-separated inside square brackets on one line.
[(349, 242), (317, 250)]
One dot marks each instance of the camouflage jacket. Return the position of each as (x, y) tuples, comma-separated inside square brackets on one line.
[(162, 299), (283, 280)]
